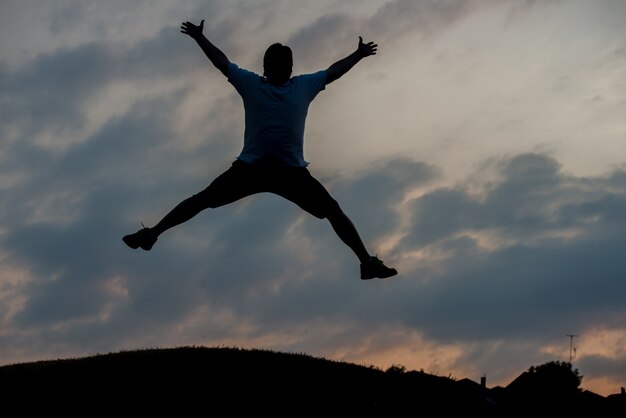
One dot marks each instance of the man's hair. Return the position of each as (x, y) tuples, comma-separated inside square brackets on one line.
[(278, 62)]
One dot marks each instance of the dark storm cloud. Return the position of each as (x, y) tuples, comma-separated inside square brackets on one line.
[(93, 182), (531, 200), (49, 95), (594, 366), (69, 205), (559, 263), (522, 291), (386, 185)]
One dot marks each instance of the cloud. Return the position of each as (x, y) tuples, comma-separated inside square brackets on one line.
[(67, 214), (385, 183), (540, 248), (322, 41), (51, 97), (427, 18), (603, 366), (332, 33), (398, 17), (532, 200), (48, 95)]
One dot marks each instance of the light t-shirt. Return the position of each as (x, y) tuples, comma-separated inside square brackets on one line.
[(275, 115)]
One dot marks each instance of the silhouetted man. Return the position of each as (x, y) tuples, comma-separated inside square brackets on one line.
[(272, 160)]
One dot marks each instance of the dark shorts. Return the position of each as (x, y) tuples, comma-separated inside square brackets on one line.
[(293, 183)]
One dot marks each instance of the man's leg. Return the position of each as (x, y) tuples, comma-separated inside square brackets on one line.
[(371, 266), (181, 213), (146, 237), (230, 186), (347, 232), (307, 192)]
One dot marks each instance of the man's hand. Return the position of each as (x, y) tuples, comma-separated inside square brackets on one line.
[(192, 30), (213, 53), (344, 65), (365, 50)]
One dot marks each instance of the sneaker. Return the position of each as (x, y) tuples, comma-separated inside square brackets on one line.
[(144, 239), (375, 268)]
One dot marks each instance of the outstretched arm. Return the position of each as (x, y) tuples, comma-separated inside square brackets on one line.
[(344, 65), (217, 57)]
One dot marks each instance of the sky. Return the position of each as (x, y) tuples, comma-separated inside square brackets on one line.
[(480, 152)]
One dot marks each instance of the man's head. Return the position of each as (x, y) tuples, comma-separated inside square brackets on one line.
[(278, 63)]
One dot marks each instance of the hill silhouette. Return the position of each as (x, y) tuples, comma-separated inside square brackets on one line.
[(203, 380)]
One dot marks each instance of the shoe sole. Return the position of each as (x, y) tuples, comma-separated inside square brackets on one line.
[(128, 241), (380, 277)]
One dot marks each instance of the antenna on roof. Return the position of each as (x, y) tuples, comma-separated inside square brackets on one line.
[(571, 346)]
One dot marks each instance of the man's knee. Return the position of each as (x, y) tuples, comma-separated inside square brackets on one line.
[(203, 200), (332, 211)]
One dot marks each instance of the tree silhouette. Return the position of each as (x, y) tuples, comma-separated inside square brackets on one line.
[(553, 385), (396, 370), (556, 377)]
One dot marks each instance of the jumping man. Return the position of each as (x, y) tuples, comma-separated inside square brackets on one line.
[(272, 159)]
